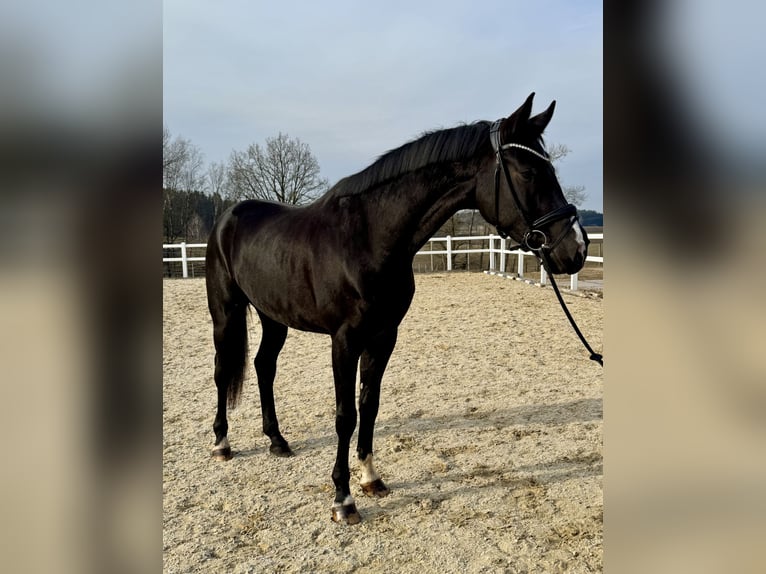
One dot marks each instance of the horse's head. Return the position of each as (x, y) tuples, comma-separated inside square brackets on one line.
[(522, 196)]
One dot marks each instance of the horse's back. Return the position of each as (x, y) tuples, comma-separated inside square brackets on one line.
[(249, 215), (228, 238), (268, 253), (239, 223)]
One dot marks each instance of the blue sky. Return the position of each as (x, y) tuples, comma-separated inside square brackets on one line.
[(354, 80)]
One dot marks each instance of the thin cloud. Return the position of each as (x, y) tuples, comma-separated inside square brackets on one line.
[(354, 81)]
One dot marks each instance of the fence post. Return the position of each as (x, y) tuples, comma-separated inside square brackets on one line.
[(543, 275), (449, 253), (502, 255), (184, 262), (491, 252), (573, 282), (431, 247), (520, 262)]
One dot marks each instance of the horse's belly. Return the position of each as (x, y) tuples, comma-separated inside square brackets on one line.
[(295, 308), (324, 308)]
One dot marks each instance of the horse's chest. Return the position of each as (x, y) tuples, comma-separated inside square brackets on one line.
[(388, 300)]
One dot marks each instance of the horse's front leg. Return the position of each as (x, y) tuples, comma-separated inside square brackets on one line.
[(373, 364), (345, 358)]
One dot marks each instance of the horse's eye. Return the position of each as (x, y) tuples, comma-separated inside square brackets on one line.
[(528, 174)]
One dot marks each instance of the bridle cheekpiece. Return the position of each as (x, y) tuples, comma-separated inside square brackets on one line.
[(534, 238)]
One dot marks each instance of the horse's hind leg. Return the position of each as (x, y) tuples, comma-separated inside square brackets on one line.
[(373, 364), (272, 341)]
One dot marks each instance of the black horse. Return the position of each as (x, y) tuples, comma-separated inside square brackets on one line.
[(343, 265)]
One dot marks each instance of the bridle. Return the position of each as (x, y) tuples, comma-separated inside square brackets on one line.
[(535, 239)]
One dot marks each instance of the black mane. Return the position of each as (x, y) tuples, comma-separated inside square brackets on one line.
[(452, 144)]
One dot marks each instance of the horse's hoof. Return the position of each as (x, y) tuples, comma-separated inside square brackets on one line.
[(346, 514), (222, 453), (376, 488), (281, 450)]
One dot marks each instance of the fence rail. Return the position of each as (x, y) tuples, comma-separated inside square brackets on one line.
[(497, 250), (184, 259), (498, 254)]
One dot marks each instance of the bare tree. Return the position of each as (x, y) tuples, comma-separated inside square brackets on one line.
[(182, 173), (285, 171), (557, 151), (192, 175), (574, 194), (177, 155), (216, 178), (169, 155), (216, 181)]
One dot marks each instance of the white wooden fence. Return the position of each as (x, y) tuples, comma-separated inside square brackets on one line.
[(498, 254), (184, 259)]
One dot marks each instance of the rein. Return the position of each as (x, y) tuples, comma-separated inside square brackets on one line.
[(534, 239)]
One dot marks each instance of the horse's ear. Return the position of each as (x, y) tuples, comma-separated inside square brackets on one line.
[(540, 121), (518, 118)]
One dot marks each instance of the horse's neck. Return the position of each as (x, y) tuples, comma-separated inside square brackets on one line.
[(412, 213), (457, 197)]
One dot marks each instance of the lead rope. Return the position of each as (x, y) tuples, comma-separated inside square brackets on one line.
[(494, 135), (598, 357)]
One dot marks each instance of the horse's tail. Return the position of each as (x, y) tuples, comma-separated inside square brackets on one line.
[(228, 307), (234, 348)]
